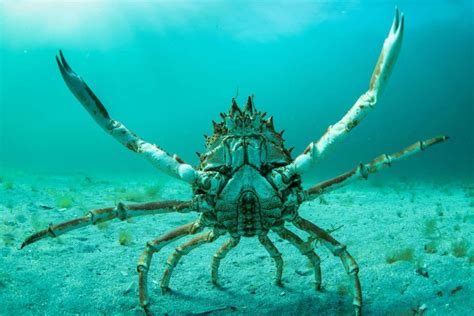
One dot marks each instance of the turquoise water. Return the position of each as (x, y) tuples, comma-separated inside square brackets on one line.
[(167, 69)]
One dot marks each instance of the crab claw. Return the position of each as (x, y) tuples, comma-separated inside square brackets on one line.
[(82, 91), (170, 164), (388, 56), (366, 102)]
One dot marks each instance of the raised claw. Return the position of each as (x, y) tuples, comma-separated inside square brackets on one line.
[(395, 22), (82, 92), (365, 103), (388, 56), (170, 164), (64, 62)]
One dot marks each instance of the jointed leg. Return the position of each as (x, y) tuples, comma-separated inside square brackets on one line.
[(305, 249), (172, 165), (339, 250), (388, 56), (221, 254), (121, 211), (181, 250), (275, 254), (155, 246), (362, 171)]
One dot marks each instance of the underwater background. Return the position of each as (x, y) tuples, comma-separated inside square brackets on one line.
[(166, 69)]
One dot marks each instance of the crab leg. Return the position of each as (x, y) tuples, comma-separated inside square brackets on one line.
[(362, 171), (275, 254), (181, 250), (171, 165), (339, 250), (154, 246), (220, 254), (382, 71), (121, 211), (305, 249)]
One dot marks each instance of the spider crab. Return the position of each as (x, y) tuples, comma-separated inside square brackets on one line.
[(246, 183)]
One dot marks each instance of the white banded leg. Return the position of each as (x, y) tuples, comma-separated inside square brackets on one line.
[(171, 165), (382, 71), (362, 171), (101, 215)]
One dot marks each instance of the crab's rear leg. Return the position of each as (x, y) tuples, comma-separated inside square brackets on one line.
[(220, 254), (275, 255), (362, 171), (305, 249), (172, 165), (182, 250), (339, 250), (153, 247), (121, 211)]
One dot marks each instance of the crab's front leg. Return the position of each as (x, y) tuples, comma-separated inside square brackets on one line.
[(171, 165), (362, 171), (378, 82), (121, 211)]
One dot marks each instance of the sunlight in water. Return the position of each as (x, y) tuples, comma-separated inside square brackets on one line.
[(107, 23)]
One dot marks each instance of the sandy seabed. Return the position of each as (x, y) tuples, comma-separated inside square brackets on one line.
[(412, 241)]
